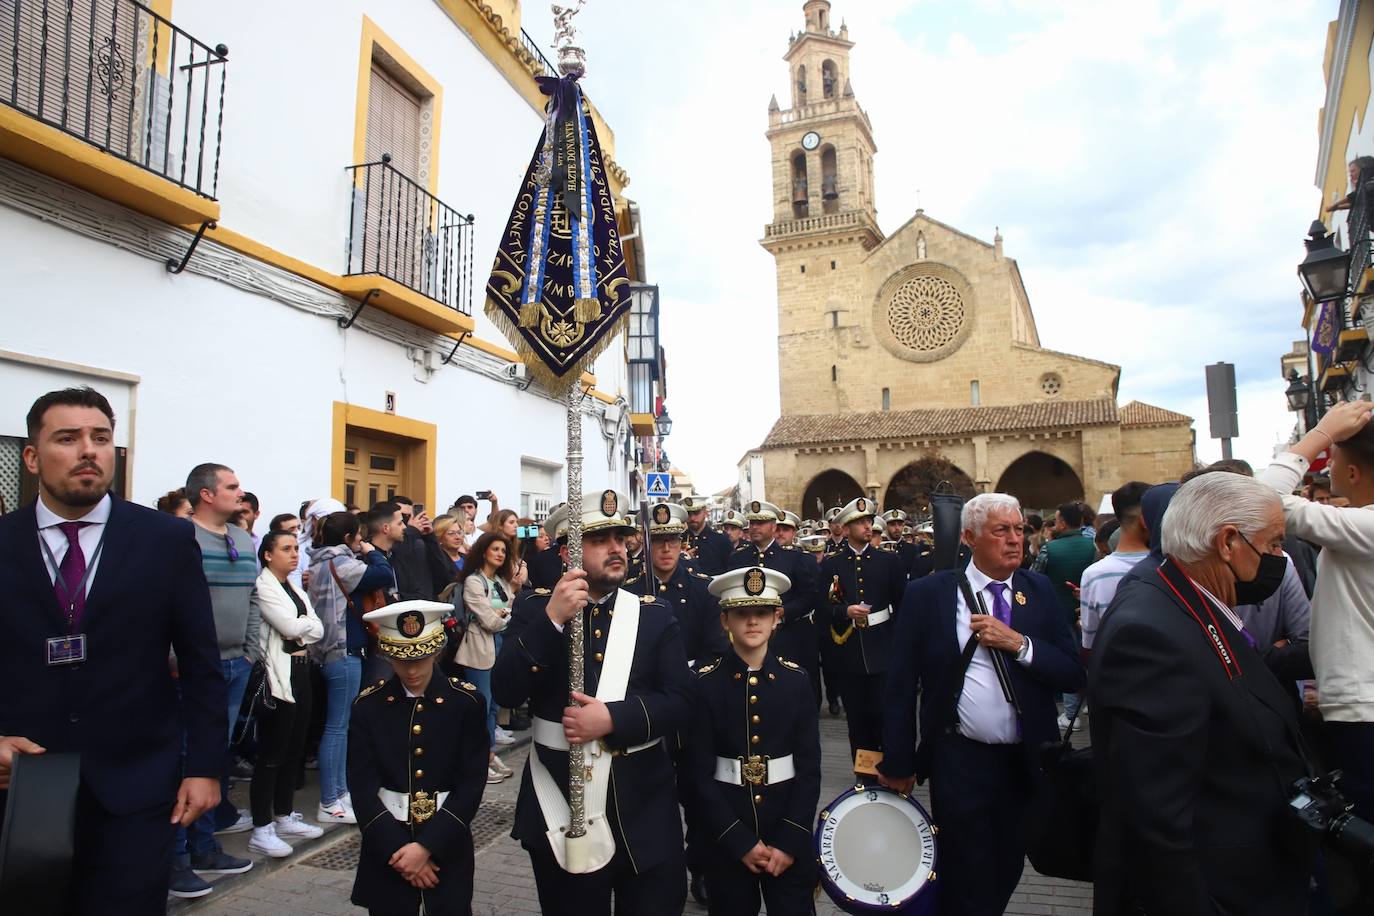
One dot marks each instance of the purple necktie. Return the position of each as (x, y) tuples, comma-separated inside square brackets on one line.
[(1001, 608), (73, 573)]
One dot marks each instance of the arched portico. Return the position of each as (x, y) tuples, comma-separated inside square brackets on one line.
[(828, 488), (911, 486), (1040, 481)]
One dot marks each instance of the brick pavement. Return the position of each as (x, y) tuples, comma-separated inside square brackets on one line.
[(505, 885)]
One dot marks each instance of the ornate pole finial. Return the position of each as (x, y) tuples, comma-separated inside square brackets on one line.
[(572, 60)]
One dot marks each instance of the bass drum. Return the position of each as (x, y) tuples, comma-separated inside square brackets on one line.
[(876, 851)]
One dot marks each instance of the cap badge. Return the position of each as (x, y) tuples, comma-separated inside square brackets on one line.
[(753, 582), (661, 514), (754, 506), (861, 505), (411, 624), (610, 503)]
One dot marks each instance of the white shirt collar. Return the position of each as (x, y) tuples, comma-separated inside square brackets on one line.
[(850, 544), (766, 547), (1230, 614), (99, 514), (980, 580)]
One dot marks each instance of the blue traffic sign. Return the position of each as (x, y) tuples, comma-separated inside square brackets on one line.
[(659, 485)]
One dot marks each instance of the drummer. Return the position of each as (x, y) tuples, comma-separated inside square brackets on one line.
[(756, 775)]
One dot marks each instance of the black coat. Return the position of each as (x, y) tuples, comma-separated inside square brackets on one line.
[(710, 550), (874, 577), (696, 609), (734, 705), (432, 744), (533, 666), (410, 561), (1193, 761), (926, 646), (121, 709), (546, 568), (795, 640)]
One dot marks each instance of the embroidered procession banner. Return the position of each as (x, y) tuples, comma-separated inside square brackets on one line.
[(558, 290)]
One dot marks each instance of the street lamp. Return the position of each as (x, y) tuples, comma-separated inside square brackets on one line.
[(1299, 394), (1325, 272), (665, 423)]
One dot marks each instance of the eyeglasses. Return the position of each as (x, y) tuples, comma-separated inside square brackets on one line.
[(229, 546)]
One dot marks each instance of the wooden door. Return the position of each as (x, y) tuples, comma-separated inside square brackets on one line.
[(374, 469)]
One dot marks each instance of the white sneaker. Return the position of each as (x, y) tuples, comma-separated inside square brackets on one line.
[(266, 841), (242, 825), (493, 777), (294, 825), (336, 813), (499, 765), (1064, 722), (347, 801), (503, 736)]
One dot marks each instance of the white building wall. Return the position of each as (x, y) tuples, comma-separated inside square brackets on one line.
[(239, 362)]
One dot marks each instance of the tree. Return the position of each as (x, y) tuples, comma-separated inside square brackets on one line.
[(911, 487)]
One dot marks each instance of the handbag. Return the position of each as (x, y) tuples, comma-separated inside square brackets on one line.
[(1061, 821), (370, 601), (257, 695)]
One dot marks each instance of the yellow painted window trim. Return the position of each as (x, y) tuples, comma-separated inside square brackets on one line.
[(373, 37), (346, 415)]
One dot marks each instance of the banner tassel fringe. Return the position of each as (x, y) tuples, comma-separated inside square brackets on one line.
[(587, 310), (529, 315)]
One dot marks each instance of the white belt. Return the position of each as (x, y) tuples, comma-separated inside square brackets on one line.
[(399, 804), (551, 735), (756, 771), (874, 618)]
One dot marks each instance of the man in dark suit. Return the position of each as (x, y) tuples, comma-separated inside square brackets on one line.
[(979, 749), (795, 638), (1195, 739), (95, 591)]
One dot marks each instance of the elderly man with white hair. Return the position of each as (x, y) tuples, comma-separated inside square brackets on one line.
[(1196, 742), (983, 652)]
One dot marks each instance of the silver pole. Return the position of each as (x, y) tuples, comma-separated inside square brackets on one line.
[(577, 778)]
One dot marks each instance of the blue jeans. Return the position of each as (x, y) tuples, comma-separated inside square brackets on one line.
[(481, 679), (200, 836), (342, 680)]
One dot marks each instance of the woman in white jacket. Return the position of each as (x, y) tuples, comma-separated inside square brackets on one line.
[(289, 624)]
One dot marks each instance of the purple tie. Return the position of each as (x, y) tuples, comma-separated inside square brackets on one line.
[(1001, 609), (73, 573)]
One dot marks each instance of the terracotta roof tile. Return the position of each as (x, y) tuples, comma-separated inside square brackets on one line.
[(907, 424), (1137, 413)]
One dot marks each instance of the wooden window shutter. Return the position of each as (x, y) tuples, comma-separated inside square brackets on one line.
[(393, 123)]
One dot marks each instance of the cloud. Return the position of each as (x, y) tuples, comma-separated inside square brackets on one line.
[(1149, 165)]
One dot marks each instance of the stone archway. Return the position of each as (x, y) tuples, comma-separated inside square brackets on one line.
[(1040, 481), (910, 488), (830, 488)]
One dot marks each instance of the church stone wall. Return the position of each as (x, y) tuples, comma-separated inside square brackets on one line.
[(1155, 454)]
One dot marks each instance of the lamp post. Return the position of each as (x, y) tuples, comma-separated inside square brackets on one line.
[(1301, 399), (1325, 271), (665, 423)]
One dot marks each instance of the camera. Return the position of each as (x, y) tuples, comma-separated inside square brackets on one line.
[(1320, 806)]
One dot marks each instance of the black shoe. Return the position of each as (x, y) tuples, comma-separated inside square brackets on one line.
[(834, 707), (699, 887), (219, 863), (185, 883)]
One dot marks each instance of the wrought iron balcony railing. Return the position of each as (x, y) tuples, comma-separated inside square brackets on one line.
[(400, 231), (120, 77), (534, 49)]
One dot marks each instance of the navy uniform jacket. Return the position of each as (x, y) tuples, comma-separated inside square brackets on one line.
[(120, 709), (926, 646), (908, 553), (696, 609), (874, 577), (710, 550), (770, 712), (533, 666), (432, 744)]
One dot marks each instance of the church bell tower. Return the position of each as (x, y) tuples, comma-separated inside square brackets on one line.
[(824, 217)]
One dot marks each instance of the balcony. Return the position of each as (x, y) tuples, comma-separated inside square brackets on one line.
[(111, 97), (409, 253)]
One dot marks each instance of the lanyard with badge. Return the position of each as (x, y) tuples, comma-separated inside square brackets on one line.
[(71, 648)]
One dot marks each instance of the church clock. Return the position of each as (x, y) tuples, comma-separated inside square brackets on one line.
[(811, 140)]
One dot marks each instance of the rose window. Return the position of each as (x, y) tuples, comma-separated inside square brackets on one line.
[(925, 313)]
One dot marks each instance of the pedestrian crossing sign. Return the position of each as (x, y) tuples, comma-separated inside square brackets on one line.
[(658, 485)]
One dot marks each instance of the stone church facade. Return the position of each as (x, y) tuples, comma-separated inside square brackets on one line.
[(920, 346)]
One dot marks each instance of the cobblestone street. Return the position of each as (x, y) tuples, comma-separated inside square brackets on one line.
[(317, 880)]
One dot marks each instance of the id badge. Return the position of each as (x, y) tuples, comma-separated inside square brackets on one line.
[(67, 650)]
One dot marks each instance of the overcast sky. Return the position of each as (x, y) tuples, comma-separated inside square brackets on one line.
[(1150, 165)]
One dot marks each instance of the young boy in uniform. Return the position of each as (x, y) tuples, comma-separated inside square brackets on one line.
[(417, 766), (755, 764)]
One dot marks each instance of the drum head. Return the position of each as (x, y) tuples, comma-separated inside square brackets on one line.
[(876, 851)]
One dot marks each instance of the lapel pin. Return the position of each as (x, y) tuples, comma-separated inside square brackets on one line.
[(1020, 598)]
